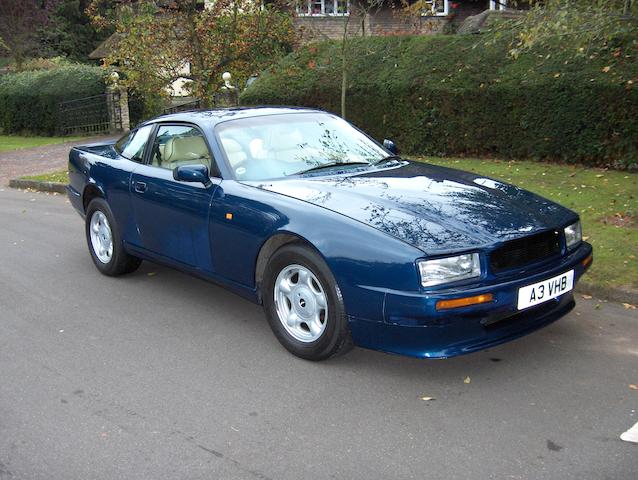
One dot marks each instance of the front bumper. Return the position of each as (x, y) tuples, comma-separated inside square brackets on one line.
[(414, 327)]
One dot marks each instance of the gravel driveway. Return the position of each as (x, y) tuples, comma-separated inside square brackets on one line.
[(44, 159)]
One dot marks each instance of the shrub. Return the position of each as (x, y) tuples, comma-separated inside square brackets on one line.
[(41, 63), (456, 95), (29, 100)]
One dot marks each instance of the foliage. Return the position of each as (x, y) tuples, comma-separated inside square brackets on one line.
[(20, 21), (103, 13), (580, 27), (439, 95), (358, 12), (158, 45), (29, 100), (41, 63), (71, 32), (607, 202)]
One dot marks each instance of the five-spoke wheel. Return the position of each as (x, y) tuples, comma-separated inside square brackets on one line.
[(304, 305), (104, 240), (101, 237), (301, 303)]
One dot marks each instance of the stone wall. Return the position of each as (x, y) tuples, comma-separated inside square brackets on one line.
[(386, 21), (328, 28), (389, 21)]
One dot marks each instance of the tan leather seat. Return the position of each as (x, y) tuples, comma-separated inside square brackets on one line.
[(287, 147), (190, 150)]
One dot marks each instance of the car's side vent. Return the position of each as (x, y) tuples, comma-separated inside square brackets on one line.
[(524, 251)]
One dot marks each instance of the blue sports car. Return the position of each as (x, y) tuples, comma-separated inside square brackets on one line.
[(343, 241)]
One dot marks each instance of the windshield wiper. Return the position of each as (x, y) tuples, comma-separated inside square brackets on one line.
[(389, 158), (329, 165)]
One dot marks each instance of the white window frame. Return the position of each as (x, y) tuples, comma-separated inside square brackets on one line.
[(323, 13), (501, 5), (435, 13)]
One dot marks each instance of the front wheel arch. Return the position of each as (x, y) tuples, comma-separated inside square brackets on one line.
[(335, 337), (269, 247)]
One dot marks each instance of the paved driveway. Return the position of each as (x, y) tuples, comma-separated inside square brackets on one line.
[(33, 161), (159, 375)]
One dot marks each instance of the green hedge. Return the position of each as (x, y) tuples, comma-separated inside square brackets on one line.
[(29, 100), (463, 95)]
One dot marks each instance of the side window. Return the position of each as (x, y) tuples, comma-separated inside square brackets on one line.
[(132, 146), (177, 145)]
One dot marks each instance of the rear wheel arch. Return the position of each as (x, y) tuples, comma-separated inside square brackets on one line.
[(90, 192)]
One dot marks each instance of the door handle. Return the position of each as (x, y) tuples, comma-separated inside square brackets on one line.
[(139, 187)]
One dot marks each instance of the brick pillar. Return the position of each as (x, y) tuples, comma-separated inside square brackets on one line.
[(117, 104)]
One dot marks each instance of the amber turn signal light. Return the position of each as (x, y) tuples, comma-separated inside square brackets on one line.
[(587, 261), (464, 302)]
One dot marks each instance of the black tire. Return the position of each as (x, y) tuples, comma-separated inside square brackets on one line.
[(120, 261), (335, 338)]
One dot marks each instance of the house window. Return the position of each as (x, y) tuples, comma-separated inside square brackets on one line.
[(323, 7), (498, 4), (436, 8)]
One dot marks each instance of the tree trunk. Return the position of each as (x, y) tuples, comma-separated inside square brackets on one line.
[(344, 66)]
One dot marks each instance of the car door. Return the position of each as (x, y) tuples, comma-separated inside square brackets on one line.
[(172, 216)]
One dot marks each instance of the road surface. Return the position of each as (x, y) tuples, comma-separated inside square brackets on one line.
[(159, 375)]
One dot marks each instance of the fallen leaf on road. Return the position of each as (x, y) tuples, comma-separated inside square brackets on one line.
[(587, 297), (467, 380), (427, 399), (633, 386), (629, 306), (597, 306), (150, 274)]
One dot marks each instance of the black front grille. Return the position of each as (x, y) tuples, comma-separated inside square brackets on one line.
[(524, 251)]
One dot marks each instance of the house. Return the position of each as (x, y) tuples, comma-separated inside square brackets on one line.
[(327, 19)]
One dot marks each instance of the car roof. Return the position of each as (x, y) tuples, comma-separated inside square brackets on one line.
[(215, 116)]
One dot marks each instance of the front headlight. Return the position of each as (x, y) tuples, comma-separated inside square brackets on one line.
[(573, 234), (449, 269)]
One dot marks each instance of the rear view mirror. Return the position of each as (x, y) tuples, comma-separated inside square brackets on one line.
[(390, 146), (192, 173)]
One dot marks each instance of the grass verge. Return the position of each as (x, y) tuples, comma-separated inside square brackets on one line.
[(55, 177), (14, 142), (606, 200)]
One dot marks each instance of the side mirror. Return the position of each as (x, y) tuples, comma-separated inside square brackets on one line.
[(192, 173), (390, 146)]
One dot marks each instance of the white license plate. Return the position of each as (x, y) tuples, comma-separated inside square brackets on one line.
[(546, 290)]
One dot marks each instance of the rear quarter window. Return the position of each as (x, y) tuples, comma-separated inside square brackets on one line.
[(131, 146)]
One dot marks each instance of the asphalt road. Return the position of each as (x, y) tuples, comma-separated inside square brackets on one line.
[(159, 375)]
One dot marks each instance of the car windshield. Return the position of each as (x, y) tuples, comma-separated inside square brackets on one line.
[(274, 146)]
